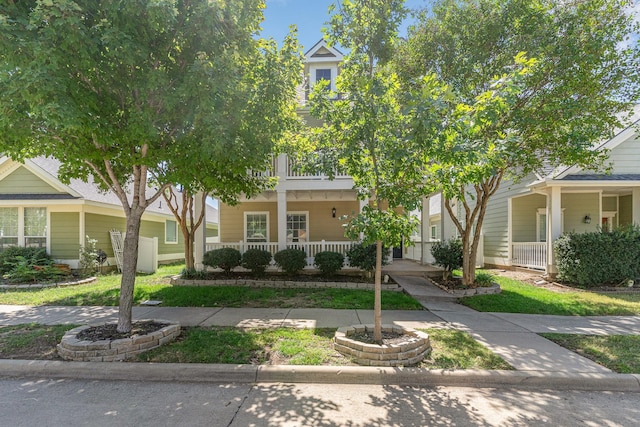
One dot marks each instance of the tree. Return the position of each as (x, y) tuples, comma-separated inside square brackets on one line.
[(128, 91), (523, 84), (364, 133)]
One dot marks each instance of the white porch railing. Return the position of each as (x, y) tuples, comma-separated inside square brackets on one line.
[(310, 248), (293, 172), (529, 254)]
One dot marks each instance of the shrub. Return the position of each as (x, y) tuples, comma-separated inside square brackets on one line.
[(88, 257), (448, 255), (484, 279), (224, 258), (364, 256), (291, 260), (329, 262), (597, 258), (256, 260), (193, 274), (10, 257)]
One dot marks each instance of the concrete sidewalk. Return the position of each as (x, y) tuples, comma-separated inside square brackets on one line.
[(512, 336)]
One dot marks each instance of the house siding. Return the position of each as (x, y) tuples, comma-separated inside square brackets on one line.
[(625, 214), (576, 206), (624, 158), (22, 181), (322, 225), (609, 203), (156, 229), (98, 226), (232, 220), (65, 235), (523, 221)]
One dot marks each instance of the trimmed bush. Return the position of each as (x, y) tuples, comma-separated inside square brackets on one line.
[(599, 258), (291, 260), (329, 262), (484, 279), (364, 256), (448, 255), (14, 255), (256, 260), (224, 258)]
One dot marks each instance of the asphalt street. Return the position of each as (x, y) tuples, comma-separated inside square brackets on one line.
[(59, 402)]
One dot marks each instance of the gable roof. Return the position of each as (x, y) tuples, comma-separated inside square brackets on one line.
[(322, 52)]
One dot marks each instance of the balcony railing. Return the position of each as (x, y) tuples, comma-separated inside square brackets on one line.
[(294, 173), (529, 255)]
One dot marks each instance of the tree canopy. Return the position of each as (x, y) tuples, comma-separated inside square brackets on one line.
[(522, 85), (144, 94)]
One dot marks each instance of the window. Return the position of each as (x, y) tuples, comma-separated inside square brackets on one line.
[(170, 231), (8, 227), (256, 226), (35, 227), (297, 227), (324, 74), (434, 232), (541, 224)]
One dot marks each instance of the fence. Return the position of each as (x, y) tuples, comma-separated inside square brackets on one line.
[(529, 255)]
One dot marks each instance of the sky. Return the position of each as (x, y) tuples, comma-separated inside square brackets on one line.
[(309, 16)]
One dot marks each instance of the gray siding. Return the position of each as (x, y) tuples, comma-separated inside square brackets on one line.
[(625, 158), (524, 217), (576, 206), (625, 213)]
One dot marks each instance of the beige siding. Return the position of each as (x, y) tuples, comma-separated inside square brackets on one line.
[(65, 235), (576, 206), (21, 181), (625, 214), (523, 221), (322, 225), (232, 220)]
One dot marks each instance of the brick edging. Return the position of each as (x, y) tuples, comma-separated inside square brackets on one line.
[(488, 290)]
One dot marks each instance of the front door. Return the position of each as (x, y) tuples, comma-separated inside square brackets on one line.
[(397, 251)]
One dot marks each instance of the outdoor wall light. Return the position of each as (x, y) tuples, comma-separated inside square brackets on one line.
[(587, 219), (333, 212)]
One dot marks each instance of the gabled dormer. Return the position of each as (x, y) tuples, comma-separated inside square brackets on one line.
[(322, 63)]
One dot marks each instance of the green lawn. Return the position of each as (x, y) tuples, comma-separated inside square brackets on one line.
[(518, 297), (156, 286), (620, 353)]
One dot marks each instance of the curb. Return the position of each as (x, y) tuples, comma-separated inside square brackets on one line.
[(220, 373)]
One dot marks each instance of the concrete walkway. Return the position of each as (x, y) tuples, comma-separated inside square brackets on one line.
[(512, 336)]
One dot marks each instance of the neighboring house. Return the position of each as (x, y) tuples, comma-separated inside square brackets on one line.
[(38, 210), (303, 210), (524, 219)]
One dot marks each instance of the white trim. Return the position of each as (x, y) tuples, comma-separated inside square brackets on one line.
[(306, 214), (244, 234), (169, 242), (316, 47)]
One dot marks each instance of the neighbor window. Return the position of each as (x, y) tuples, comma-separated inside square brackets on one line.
[(170, 231), (256, 225), (297, 227), (8, 227), (434, 232)]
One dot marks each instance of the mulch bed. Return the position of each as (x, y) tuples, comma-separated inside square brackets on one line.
[(108, 332), (388, 338)]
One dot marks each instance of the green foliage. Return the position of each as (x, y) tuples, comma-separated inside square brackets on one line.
[(364, 256), (448, 255), (88, 257), (256, 260), (224, 258), (21, 255), (291, 260), (36, 266), (484, 279), (329, 263), (599, 258), (193, 274)]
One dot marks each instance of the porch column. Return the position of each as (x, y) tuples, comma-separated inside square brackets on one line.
[(200, 237), (635, 205), (282, 219), (554, 225), (425, 231), (363, 203)]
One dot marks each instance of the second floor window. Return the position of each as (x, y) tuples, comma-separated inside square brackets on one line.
[(324, 74)]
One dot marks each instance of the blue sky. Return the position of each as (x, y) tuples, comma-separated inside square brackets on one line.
[(308, 15)]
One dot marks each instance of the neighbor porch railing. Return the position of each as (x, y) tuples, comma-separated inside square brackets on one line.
[(529, 255), (310, 248)]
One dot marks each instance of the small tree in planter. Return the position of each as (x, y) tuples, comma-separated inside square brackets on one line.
[(447, 255), (224, 258), (291, 260), (256, 260)]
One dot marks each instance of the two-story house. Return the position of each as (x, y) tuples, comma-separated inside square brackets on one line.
[(303, 210)]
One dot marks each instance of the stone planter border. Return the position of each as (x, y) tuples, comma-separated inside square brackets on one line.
[(405, 354), (72, 348), (49, 285), (267, 283)]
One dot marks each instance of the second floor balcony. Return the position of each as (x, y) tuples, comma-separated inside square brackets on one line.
[(286, 169)]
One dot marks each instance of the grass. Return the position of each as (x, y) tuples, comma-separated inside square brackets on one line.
[(156, 286), (620, 353), (451, 349), (518, 297)]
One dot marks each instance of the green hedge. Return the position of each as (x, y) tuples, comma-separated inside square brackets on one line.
[(224, 258), (329, 262), (599, 258), (291, 260)]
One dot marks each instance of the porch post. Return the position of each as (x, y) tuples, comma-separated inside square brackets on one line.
[(425, 231), (554, 225), (282, 219), (635, 205), (200, 237), (363, 203)]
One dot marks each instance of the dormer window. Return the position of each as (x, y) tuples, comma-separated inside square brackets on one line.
[(324, 74)]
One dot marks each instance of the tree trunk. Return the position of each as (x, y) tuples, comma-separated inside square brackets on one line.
[(129, 265), (189, 261), (377, 305)]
